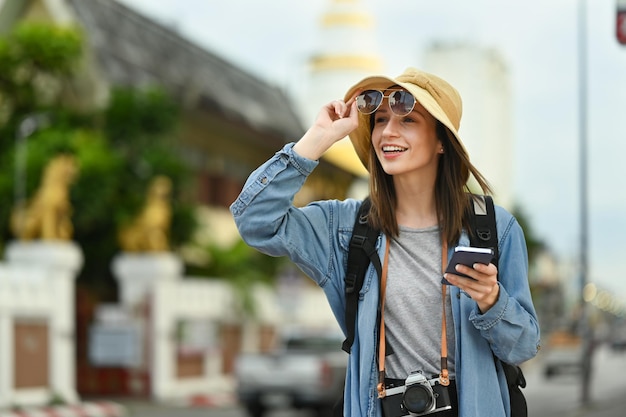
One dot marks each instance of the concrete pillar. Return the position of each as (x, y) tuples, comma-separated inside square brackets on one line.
[(49, 270), (137, 273)]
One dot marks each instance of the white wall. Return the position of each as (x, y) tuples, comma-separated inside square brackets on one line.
[(482, 78)]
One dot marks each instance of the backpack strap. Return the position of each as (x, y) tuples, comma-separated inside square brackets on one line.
[(362, 251), (482, 220), (483, 233)]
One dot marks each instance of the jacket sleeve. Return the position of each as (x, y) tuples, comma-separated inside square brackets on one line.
[(268, 221), (511, 326)]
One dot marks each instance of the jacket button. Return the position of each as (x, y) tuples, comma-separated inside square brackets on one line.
[(458, 296), (264, 180)]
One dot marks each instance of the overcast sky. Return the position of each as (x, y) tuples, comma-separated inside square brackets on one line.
[(539, 41)]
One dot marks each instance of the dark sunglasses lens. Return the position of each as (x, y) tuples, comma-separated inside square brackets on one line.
[(368, 101), (401, 102)]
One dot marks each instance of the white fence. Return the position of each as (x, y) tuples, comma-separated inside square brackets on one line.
[(198, 308), (201, 305), (179, 331), (37, 323)]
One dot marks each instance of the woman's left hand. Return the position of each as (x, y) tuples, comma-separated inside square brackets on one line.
[(483, 289)]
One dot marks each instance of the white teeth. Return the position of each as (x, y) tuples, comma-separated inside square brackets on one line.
[(393, 149)]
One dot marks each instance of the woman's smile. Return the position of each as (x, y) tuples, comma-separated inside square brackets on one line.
[(393, 150)]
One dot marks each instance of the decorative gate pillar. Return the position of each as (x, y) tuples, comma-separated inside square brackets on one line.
[(37, 355), (137, 273)]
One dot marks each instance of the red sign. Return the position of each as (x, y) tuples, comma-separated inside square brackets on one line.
[(621, 27)]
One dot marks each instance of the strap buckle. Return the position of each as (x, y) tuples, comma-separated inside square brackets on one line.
[(483, 234), (350, 281), (358, 241)]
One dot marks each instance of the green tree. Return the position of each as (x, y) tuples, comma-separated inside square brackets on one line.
[(119, 149), (534, 244), (36, 63)]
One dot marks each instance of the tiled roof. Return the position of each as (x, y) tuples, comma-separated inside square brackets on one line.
[(134, 50)]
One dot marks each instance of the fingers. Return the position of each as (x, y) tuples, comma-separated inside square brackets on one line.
[(477, 270), (482, 286), (334, 122), (352, 99), (343, 116), (341, 108), (481, 279)]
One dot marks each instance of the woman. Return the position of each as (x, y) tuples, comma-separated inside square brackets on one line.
[(405, 131)]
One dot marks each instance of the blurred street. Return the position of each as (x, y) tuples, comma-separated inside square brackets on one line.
[(554, 397), (560, 395)]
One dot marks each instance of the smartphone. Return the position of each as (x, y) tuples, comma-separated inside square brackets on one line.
[(466, 255)]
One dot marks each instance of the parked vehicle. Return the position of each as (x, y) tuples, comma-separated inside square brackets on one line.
[(617, 340), (307, 371), (563, 354)]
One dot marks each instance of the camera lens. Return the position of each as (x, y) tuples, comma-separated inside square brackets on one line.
[(417, 399)]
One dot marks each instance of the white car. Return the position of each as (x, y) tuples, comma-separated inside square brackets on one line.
[(563, 354)]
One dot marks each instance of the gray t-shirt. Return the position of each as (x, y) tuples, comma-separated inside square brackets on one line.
[(413, 305)]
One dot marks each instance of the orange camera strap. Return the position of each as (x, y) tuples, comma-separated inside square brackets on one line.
[(381, 341), (444, 378)]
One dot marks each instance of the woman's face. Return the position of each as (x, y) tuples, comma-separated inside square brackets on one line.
[(406, 145)]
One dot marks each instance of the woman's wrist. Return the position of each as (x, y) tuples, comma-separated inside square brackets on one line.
[(489, 301), (312, 145)]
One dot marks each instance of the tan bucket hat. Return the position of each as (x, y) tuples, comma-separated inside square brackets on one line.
[(438, 97)]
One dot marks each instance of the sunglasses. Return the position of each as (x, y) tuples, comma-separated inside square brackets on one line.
[(401, 102)]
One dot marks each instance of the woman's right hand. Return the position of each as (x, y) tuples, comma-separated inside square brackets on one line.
[(333, 123)]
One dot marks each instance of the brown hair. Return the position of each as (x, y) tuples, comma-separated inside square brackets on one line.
[(451, 190)]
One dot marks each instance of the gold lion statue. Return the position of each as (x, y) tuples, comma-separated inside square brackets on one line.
[(149, 230), (47, 215)]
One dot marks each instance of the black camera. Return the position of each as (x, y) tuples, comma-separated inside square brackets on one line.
[(417, 397)]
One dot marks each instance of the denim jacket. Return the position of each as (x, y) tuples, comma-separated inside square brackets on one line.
[(316, 238)]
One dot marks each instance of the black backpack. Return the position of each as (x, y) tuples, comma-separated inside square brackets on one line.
[(362, 251)]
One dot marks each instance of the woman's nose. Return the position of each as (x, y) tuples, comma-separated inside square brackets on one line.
[(391, 127)]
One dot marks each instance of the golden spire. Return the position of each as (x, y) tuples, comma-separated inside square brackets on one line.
[(346, 52), (347, 35)]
